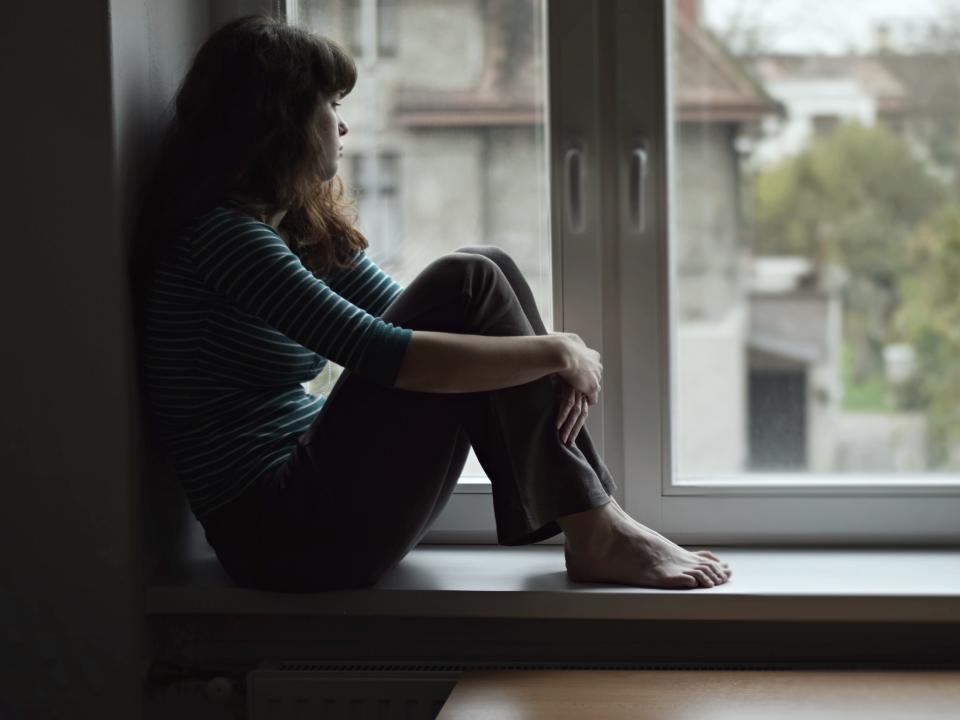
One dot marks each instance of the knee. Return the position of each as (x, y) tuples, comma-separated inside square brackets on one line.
[(500, 258), (473, 283), (495, 253), (463, 268)]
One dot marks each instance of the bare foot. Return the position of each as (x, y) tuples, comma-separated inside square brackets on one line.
[(605, 545), (705, 553)]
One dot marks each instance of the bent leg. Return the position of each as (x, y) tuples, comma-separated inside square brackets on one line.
[(534, 476), (378, 464), (527, 301)]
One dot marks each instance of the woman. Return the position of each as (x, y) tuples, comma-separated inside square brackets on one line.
[(253, 275)]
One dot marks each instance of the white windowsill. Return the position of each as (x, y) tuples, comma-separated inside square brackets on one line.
[(529, 582)]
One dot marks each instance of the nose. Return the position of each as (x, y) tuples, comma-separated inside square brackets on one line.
[(343, 128)]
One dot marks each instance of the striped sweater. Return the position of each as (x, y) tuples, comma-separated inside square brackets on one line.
[(234, 324)]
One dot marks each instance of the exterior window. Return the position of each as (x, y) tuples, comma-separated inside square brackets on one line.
[(824, 124), (385, 12)]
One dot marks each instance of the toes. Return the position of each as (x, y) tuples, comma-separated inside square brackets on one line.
[(702, 577), (720, 567), (712, 573), (691, 580), (723, 570), (685, 580)]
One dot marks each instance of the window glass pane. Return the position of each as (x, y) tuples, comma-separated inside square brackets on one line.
[(446, 146), (815, 240)]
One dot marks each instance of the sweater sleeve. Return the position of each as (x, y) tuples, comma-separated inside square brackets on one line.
[(246, 261), (366, 285)]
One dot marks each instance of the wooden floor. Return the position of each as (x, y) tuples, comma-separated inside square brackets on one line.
[(704, 695)]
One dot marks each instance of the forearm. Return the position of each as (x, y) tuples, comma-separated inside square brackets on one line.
[(453, 363)]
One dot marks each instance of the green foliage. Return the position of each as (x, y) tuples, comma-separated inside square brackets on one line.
[(929, 319), (870, 395), (858, 190), (851, 199), (859, 199)]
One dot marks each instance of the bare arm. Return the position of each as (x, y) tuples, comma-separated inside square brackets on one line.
[(452, 363)]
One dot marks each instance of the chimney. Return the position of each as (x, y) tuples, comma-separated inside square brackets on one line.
[(690, 9), (881, 37)]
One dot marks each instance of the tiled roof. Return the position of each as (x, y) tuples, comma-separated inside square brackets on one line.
[(711, 85)]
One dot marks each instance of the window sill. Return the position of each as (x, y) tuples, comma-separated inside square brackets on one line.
[(768, 584)]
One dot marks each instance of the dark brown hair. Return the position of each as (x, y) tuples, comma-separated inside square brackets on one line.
[(243, 129)]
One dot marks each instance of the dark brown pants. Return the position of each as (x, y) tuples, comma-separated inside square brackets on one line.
[(377, 466)]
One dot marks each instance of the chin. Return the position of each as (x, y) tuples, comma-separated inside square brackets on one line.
[(329, 173)]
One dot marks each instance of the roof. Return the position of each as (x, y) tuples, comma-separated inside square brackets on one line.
[(932, 80), (711, 85), (869, 72)]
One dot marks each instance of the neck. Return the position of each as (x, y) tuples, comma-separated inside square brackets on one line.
[(270, 216), (277, 218)]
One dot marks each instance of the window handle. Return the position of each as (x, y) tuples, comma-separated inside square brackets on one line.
[(574, 183), (639, 160)]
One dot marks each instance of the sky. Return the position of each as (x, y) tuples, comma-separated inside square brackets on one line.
[(824, 26)]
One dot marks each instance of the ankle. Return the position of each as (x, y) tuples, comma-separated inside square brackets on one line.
[(590, 531)]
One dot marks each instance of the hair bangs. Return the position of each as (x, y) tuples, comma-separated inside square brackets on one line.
[(334, 68)]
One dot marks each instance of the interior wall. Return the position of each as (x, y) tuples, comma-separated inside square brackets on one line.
[(222, 11), (88, 84), (154, 42)]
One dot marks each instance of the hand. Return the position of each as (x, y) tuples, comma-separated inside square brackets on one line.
[(585, 369), (572, 412)]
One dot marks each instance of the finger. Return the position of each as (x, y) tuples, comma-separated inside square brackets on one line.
[(580, 422), (563, 399), (566, 405), (572, 421), (569, 423), (568, 427)]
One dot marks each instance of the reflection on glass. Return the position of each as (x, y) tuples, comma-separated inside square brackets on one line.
[(447, 139), (816, 236)]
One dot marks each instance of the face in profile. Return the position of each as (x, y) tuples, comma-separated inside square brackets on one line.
[(330, 129)]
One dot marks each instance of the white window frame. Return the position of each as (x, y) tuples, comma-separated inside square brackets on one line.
[(608, 95)]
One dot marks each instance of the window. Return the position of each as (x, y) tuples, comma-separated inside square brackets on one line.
[(361, 28), (796, 279), (773, 304), (376, 179), (824, 124)]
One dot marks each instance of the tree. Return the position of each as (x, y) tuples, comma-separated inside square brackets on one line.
[(929, 319), (852, 198)]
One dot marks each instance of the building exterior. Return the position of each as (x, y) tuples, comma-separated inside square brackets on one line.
[(820, 92)]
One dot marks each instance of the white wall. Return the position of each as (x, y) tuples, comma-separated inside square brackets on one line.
[(89, 81), (711, 426), (805, 99)]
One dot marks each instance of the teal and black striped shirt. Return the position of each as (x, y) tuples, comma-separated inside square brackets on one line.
[(234, 324)]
